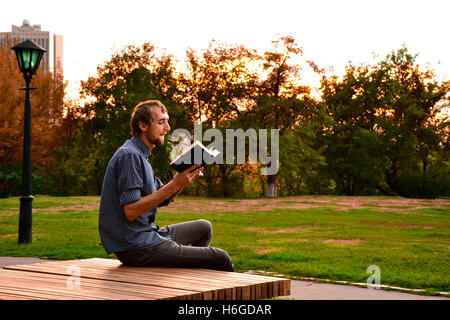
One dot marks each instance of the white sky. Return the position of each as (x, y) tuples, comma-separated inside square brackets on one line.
[(330, 32)]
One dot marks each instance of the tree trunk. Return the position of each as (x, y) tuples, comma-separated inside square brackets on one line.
[(271, 186), (384, 191), (223, 172)]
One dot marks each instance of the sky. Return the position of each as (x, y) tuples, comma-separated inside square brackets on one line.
[(331, 33)]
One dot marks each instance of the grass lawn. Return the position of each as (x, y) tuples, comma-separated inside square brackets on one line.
[(324, 237)]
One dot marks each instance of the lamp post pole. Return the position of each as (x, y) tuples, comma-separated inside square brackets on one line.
[(29, 55), (26, 200)]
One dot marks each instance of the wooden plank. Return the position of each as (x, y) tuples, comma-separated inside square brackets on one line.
[(33, 294), (47, 292), (129, 289), (229, 293), (17, 296), (233, 289), (271, 286), (89, 288), (36, 291), (43, 289), (283, 287), (194, 283), (122, 276), (121, 290), (264, 287), (60, 288)]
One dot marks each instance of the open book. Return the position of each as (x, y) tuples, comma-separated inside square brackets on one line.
[(197, 153)]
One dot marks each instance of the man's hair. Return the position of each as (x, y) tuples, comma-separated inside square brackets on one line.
[(141, 113)]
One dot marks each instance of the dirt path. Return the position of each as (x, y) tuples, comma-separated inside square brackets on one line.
[(340, 203), (402, 205)]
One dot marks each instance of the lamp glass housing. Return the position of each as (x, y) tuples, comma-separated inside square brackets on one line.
[(29, 56)]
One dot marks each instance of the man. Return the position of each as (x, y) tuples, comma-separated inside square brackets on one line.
[(130, 197)]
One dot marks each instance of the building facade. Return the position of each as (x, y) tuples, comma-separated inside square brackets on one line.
[(42, 38), (58, 54)]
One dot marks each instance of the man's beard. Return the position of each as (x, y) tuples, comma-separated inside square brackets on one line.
[(157, 141)]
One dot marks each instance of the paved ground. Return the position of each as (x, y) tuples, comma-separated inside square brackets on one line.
[(308, 290), (300, 290)]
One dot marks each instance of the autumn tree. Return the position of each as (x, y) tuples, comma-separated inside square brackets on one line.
[(218, 83), (281, 101), (46, 119), (217, 87), (133, 74)]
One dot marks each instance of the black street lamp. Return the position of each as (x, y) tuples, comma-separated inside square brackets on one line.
[(29, 56)]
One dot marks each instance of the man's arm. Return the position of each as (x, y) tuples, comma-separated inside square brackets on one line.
[(173, 188), (135, 209), (173, 195)]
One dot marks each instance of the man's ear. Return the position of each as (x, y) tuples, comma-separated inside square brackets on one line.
[(143, 126)]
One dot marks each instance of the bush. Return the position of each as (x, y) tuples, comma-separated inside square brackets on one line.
[(431, 184)]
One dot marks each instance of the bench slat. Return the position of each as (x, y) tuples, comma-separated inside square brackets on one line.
[(239, 289), (270, 286), (109, 279), (89, 288), (282, 289), (114, 276)]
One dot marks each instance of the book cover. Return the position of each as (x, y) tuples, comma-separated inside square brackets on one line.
[(197, 153)]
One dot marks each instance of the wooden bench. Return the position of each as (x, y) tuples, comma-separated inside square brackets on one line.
[(98, 279)]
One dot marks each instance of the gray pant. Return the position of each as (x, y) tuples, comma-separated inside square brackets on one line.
[(189, 248)]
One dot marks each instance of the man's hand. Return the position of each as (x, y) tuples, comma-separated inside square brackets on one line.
[(182, 179), (169, 191), (191, 174)]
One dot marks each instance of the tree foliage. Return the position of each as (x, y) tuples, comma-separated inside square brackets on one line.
[(216, 88), (375, 130), (46, 118), (384, 133), (281, 101), (132, 75)]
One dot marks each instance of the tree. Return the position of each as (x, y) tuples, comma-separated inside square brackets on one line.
[(282, 102), (216, 88), (302, 162), (132, 75), (418, 164), (353, 151), (46, 119), (218, 83), (384, 133)]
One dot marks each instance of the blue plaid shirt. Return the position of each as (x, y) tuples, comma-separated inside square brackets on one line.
[(129, 176)]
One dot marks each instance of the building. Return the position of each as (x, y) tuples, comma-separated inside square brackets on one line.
[(42, 38), (58, 54)]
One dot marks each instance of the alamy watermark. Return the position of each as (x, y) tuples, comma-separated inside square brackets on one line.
[(73, 281), (235, 152), (373, 282)]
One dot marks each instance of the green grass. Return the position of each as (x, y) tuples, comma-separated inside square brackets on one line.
[(412, 250)]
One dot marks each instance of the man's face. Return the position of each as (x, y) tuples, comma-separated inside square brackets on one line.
[(158, 128)]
